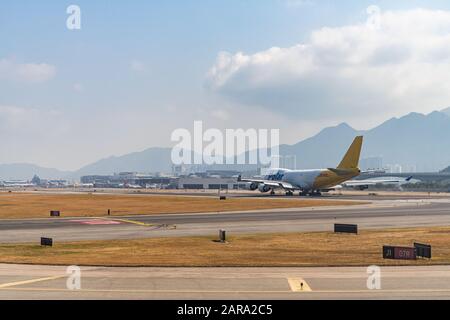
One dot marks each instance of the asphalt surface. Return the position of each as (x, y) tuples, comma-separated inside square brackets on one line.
[(380, 214), (49, 282)]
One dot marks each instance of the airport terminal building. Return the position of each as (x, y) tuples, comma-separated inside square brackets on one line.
[(210, 183), (131, 178), (211, 180)]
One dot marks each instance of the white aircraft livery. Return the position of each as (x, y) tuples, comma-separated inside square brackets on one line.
[(310, 182), (365, 184)]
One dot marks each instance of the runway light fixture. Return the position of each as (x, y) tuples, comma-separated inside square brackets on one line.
[(223, 236)]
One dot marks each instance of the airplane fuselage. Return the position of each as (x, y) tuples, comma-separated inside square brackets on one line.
[(315, 179), (310, 181)]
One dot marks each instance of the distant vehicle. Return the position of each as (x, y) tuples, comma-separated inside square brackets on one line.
[(310, 182), (365, 184)]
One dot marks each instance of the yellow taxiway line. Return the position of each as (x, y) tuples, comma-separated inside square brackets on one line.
[(134, 222), (143, 224), (19, 283), (299, 285)]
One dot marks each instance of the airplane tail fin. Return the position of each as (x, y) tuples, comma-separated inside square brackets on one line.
[(351, 158)]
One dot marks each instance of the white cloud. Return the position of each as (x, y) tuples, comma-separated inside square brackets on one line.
[(396, 61), (26, 72), (10, 116), (221, 114), (34, 135), (19, 121)]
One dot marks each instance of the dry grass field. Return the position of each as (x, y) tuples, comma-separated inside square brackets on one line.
[(300, 249), (38, 205)]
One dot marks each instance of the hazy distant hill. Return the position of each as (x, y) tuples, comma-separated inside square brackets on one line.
[(322, 150), (422, 140), (25, 171), (149, 160), (415, 139)]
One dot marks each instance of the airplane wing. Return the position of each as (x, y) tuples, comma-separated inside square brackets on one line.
[(358, 183), (280, 184), (252, 180), (270, 183)]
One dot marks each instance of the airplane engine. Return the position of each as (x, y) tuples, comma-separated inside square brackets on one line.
[(252, 186), (263, 188)]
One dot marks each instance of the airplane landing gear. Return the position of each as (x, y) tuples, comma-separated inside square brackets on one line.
[(310, 193), (289, 193), (272, 192)]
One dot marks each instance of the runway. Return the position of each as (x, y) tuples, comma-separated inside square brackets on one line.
[(49, 282), (380, 214)]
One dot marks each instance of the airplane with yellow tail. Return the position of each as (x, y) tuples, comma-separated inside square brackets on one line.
[(310, 182)]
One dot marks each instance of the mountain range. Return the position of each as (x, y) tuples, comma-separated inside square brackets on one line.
[(26, 171), (416, 140)]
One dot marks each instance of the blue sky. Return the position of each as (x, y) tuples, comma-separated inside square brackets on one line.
[(138, 70)]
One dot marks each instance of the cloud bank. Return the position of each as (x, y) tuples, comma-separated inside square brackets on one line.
[(394, 61), (26, 72)]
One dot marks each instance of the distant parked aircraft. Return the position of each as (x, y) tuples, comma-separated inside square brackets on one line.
[(130, 186), (365, 184), (84, 185), (16, 183)]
